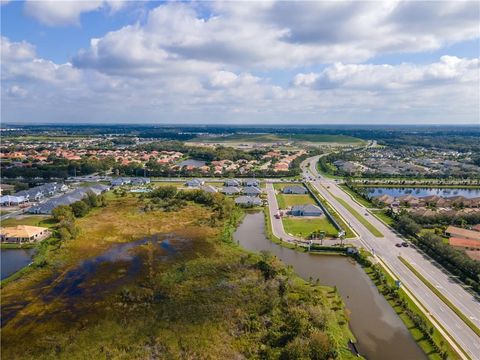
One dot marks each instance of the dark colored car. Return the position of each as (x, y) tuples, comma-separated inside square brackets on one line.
[(398, 245), (404, 244)]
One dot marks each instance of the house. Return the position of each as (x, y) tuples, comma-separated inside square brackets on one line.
[(248, 201), (251, 190), (195, 183), (120, 181), (23, 233), (384, 199), (294, 189), (251, 182), (409, 200), (140, 181), (67, 199), (32, 194), (464, 244), (209, 188), (476, 227), (98, 189), (10, 200), (456, 232), (231, 190), (232, 182), (306, 210)]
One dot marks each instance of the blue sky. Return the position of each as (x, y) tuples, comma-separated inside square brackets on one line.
[(233, 62)]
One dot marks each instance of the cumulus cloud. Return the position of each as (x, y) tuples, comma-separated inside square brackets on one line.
[(182, 65), (67, 12), (449, 69), (17, 91)]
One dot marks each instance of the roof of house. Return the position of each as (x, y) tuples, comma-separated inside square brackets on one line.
[(22, 231), (11, 198), (209, 188), (230, 190), (306, 208), (248, 200), (464, 242), (294, 188), (463, 233), (251, 190)]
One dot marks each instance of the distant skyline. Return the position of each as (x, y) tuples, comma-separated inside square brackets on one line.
[(331, 62)]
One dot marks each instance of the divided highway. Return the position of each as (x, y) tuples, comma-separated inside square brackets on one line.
[(384, 249)]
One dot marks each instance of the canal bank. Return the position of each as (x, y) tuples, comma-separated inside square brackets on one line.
[(379, 331)]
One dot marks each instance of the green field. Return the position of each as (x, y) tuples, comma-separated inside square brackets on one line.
[(34, 220), (304, 227), (268, 138), (356, 197), (286, 201), (383, 217)]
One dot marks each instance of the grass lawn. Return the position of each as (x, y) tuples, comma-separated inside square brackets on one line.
[(303, 227), (286, 200), (383, 216), (34, 220), (348, 231), (356, 197), (359, 217)]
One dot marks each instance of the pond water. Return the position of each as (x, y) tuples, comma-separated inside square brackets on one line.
[(191, 162), (468, 193), (95, 277), (13, 260), (379, 331)]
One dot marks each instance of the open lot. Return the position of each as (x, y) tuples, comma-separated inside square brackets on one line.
[(271, 138), (303, 227)]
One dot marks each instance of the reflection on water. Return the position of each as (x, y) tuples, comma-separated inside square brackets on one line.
[(419, 192), (13, 260), (380, 332), (95, 277)]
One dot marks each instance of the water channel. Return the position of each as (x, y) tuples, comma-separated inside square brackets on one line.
[(379, 331)]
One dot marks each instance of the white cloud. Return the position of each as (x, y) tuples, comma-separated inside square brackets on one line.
[(449, 69), (17, 91), (179, 65), (67, 12)]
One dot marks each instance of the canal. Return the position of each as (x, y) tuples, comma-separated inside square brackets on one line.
[(379, 331)]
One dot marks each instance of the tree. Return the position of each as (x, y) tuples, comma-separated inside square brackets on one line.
[(164, 192), (80, 208), (62, 213)]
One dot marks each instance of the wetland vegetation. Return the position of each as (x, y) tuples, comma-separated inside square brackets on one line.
[(143, 279)]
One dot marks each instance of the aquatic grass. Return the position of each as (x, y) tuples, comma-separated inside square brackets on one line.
[(209, 300)]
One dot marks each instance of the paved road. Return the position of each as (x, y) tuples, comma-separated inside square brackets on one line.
[(277, 224), (385, 249)]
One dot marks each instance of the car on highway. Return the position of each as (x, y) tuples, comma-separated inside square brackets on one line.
[(404, 244), (398, 245)]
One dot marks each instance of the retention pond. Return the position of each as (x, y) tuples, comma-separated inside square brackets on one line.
[(379, 331), (13, 260)]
